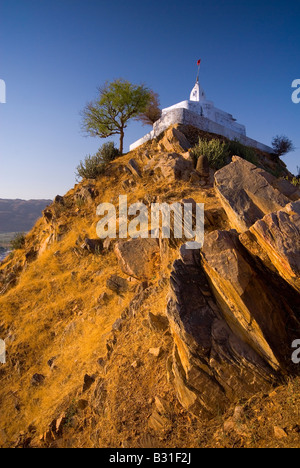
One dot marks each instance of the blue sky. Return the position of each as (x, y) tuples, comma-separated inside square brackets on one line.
[(55, 53)]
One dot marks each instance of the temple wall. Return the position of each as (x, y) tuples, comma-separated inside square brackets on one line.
[(184, 116)]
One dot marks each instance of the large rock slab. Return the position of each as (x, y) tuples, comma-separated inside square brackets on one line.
[(276, 240), (212, 366), (138, 257), (246, 193), (253, 305), (232, 325)]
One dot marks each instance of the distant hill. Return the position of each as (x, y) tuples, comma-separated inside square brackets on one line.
[(20, 215)]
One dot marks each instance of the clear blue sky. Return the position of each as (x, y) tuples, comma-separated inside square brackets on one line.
[(55, 53)]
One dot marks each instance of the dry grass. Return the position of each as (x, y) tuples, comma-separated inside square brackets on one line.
[(53, 312)]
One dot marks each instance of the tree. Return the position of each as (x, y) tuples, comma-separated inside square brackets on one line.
[(118, 102), (282, 145), (152, 112)]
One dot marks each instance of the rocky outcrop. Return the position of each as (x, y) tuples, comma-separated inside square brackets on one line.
[(246, 193), (231, 325), (171, 167), (174, 141), (212, 365), (275, 239)]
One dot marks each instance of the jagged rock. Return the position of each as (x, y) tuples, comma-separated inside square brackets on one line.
[(134, 168), (137, 257), (103, 299), (174, 167), (159, 422), (276, 240), (246, 193), (37, 380), (108, 243), (158, 322), (231, 348), (279, 433), (175, 141), (156, 352), (285, 187), (162, 405), (245, 296), (117, 284), (51, 362), (92, 245), (86, 194)]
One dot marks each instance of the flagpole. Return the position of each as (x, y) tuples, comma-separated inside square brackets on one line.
[(197, 79)]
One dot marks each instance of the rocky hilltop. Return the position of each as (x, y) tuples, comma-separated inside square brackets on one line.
[(142, 342)]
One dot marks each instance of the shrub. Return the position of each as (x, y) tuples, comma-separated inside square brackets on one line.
[(108, 152), (215, 150), (296, 181), (238, 149), (18, 241), (282, 145), (93, 166)]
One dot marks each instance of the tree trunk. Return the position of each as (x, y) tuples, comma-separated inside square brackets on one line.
[(121, 141)]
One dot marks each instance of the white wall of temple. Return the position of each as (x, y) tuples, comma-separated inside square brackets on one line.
[(187, 117), (208, 110)]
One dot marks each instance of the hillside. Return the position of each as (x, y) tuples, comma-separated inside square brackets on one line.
[(141, 342), (20, 215)]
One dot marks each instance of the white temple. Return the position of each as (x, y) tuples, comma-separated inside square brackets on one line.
[(202, 114)]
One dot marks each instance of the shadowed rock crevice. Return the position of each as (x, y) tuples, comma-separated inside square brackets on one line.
[(212, 365)]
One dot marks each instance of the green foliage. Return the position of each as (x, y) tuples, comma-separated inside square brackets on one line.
[(117, 103), (296, 181), (219, 153), (18, 242), (238, 149), (215, 150), (108, 152), (94, 166), (282, 145)]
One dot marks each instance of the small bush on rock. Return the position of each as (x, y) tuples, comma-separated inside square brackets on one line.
[(215, 150), (18, 242), (93, 166)]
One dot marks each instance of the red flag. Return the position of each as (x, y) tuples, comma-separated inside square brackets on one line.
[(198, 62)]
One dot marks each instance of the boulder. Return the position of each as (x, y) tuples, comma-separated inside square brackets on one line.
[(175, 141), (173, 166), (138, 257), (202, 167), (117, 284), (246, 193)]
